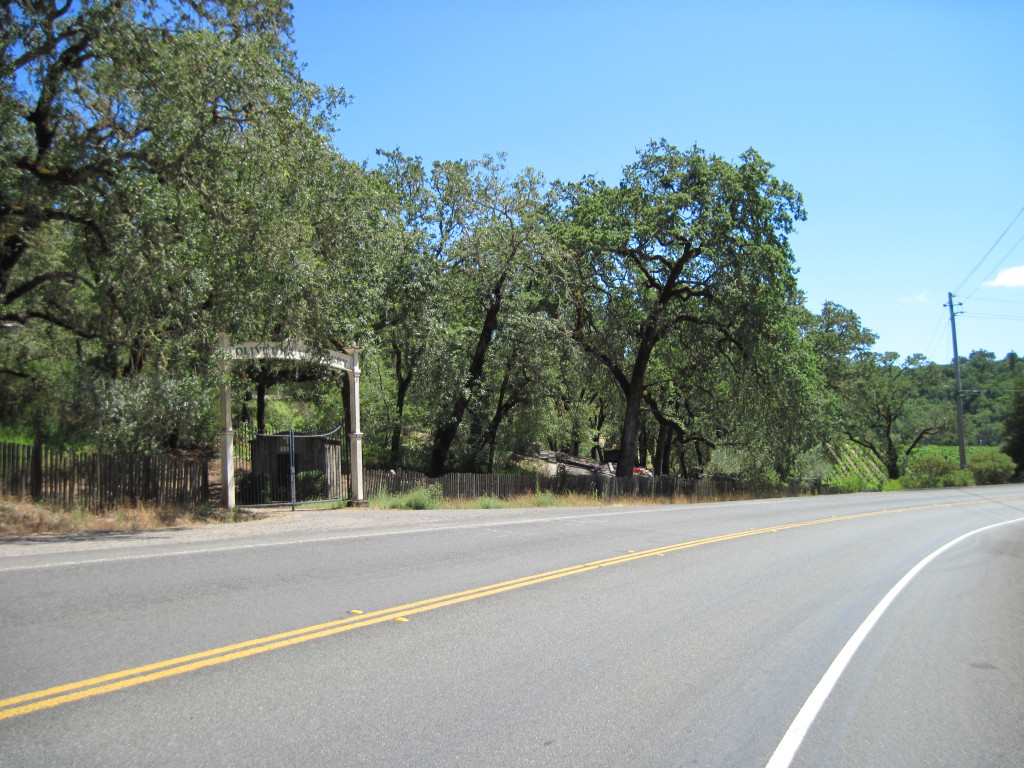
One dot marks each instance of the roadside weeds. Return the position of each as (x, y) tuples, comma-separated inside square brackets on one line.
[(20, 517)]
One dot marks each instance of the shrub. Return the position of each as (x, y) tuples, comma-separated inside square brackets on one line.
[(152, 412), (892, 485), (958, 479), (852, 484), (311, 485), (990, 466), (812, 465), (421, 498), (254, 488), (933, 470)]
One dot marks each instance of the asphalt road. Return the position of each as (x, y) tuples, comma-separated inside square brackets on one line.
[(653, 636)]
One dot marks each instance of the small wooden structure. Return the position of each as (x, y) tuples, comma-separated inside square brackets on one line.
[(320, 455)]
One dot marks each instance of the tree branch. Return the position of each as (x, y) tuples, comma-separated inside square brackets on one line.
[(38, 280)]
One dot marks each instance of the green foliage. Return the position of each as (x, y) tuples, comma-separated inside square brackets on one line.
[(960, 479), (149, 412), (934, 470), (857, 461), (311, 485), (852, 484), (545, 499), (753, 466), (893, 485), (1013, 426), (813, 465), (148, 179), (488, 502), (15, 435), (990, 466), (255, 488), (879, 412), (420, 498), (687, 242)]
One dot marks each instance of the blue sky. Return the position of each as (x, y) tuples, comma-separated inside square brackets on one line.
[(901, 122)]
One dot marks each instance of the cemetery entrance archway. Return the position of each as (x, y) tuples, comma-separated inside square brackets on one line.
[(346, 360)]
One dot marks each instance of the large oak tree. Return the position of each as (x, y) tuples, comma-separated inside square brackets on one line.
[(686, 237)]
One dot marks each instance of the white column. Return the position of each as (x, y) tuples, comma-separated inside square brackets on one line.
[(355, 437), (227, 434)]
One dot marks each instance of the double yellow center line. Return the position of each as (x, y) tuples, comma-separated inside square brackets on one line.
[(117, 681)]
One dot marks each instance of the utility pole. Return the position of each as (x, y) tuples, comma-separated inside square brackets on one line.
[(959, 389)]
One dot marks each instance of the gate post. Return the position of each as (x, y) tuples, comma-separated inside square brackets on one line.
[(291, 467), (227, 434), (355, 436)]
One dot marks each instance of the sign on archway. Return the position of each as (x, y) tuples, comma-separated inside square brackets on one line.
[(346, 360)]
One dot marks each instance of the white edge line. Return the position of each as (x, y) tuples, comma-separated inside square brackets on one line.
[(794, 737)]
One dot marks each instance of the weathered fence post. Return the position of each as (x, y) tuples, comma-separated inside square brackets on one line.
[(35, 482)]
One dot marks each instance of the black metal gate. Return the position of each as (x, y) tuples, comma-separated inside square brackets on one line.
[(288, 468)]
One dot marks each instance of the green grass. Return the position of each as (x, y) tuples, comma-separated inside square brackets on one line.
[(545, 499), (420, 498), (488, 502)]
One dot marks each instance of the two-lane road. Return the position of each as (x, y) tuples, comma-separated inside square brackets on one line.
[(656, 636)]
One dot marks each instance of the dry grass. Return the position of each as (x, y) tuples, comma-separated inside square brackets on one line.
[(21, 518), (548, 499)]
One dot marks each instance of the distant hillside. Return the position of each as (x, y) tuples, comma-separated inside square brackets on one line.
[(988, 386)]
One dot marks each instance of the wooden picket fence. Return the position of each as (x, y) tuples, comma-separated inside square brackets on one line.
[(378, 481), (97, 482), (465, 485)]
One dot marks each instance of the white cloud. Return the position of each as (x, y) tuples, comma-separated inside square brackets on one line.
[(1009, 278), (921, 298)]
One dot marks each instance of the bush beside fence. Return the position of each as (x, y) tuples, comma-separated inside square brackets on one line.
[(96, 482)]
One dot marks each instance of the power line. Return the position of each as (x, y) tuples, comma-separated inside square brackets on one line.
[(931, 343), (1000, 301), (997, 266), (981, 261), (986, 316)]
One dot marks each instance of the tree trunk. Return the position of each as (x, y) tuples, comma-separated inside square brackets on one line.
[(597, 453), (700, 460), (662, 448), (503, 409), (403, 389), (261, 405), (630, 437), (892, 459), (445, 434)]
